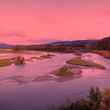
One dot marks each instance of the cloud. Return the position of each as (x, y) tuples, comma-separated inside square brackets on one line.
[(31, 21), (12, 34)]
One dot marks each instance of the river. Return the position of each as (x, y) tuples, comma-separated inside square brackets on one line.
[(19, 89)]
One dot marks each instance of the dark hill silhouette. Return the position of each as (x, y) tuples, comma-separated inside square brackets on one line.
[(104, 43), (65, 46)]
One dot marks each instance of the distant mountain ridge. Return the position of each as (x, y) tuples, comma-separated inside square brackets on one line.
[(75, 43), (64, 45), (3, 45)]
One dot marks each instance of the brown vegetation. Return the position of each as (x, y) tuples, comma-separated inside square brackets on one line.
[(95, 101), (19, 60), (82, 62), (103, 53)]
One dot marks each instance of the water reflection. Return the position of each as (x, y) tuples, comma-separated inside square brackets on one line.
[(35, 87), (22, 80), (15, 80), (37, 70)]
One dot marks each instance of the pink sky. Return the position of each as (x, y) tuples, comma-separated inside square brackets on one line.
[(38, 21)]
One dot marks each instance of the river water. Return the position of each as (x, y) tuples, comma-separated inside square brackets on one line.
[(19, 89)]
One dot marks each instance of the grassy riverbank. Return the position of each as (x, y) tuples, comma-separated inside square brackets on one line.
[(96, 100), (103, 53), (5, 62)]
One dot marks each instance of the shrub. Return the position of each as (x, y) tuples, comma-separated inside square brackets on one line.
[(19, 61)]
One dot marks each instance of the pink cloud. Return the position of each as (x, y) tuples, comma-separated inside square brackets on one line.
[(38, 20)]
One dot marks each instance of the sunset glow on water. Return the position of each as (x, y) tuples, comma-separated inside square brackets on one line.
[(23, 87), (54, 54)]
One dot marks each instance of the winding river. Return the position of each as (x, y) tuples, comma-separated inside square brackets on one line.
[(29, 87)]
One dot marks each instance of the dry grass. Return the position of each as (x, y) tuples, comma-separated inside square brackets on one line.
[(103, 53), (5, 62), (64, 71), (47, 56), (81, 62), (106, 92)]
